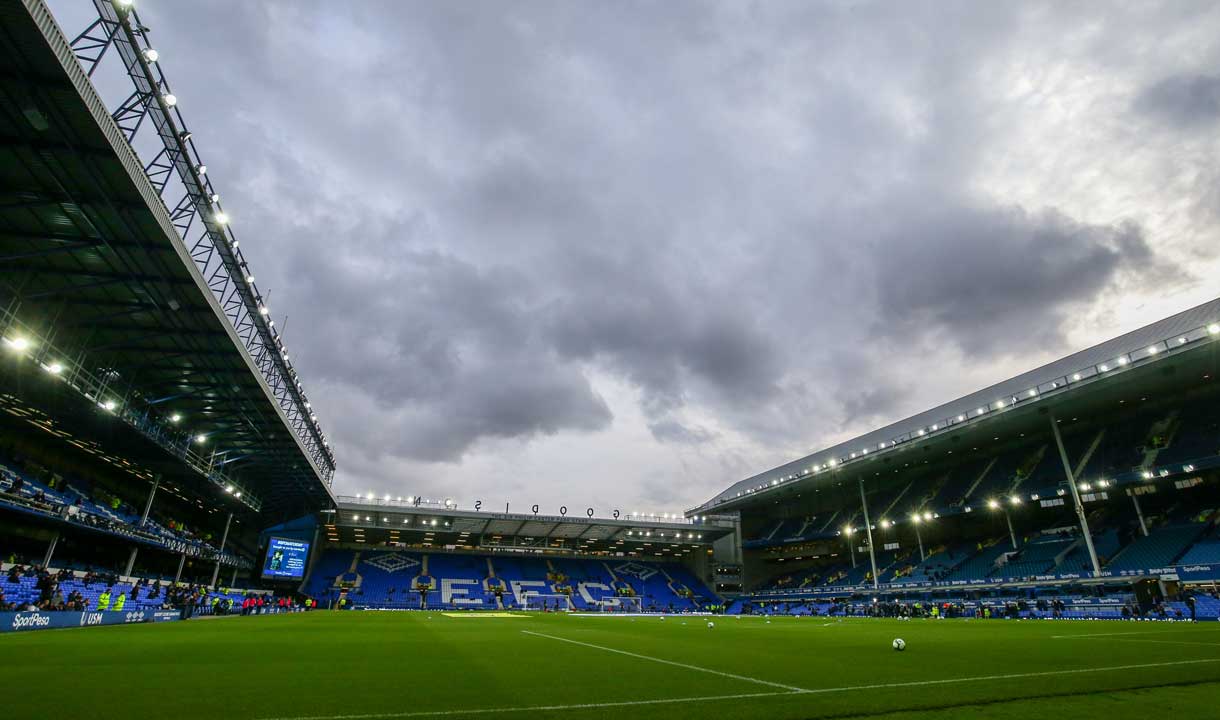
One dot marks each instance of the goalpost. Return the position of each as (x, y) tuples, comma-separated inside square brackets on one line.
[(625, 604), (539, 602)]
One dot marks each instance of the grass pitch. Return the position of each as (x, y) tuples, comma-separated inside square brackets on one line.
[(371, 665)]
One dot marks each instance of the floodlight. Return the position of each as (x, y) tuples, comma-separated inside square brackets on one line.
[(55, 368), (169, 99), (221, 218), (150, 55), (18, 343), (993, 504)]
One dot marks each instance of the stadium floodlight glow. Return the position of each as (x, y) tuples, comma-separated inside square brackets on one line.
[(1015, 500), (202, 169), (832, 462), (1103, 483), (1213, 329), (927, 516), (1122, 360), (1032, 392), (221, 218), (960, 418), (125, 4), (262, 310), (1076, 376), (886, 523), (20, 344), (54, 368), (1153, 350), (169, 99), (1084, 486), (109, 405), (150, 55), (1103, 367), (237, 494), (250, 279), (922, 433), (215, 198), (229, 489), (848, 530), (915, 518), (434, 522), (201, 439), (935, 428), (980, 411)]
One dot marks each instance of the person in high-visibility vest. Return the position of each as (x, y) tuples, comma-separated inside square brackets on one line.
[(120, 601), (103, 600)]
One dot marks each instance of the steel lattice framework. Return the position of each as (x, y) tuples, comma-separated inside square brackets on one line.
[(122, 281), (215, 249)]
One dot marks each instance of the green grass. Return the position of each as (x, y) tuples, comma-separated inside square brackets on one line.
[(348, 665)]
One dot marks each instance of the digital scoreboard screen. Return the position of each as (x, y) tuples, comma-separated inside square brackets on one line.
[(285, 558)]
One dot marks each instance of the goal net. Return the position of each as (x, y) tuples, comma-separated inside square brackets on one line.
[(621, 604), (547, 603)]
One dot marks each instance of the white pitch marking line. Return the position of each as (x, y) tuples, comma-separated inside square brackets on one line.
[(1136, 632), (818, 691), (1010, 676), (538, 708), (789, 688)]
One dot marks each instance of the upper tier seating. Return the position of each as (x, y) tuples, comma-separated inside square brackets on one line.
[(1161, 548)]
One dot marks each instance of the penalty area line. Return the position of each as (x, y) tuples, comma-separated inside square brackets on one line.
[(744, 678)]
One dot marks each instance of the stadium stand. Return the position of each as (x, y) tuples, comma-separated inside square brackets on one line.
[(393, 579)]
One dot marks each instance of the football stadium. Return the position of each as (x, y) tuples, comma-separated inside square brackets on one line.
[(173, 541)]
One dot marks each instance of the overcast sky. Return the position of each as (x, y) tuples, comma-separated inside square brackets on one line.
[(623, 254)]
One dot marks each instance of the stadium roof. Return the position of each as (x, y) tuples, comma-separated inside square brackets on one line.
[(1053, 383), (97, 282), (441, 523)]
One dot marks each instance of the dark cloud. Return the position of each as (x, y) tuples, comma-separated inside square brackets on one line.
[(637, 251), (1000, 278), (1187, 101)]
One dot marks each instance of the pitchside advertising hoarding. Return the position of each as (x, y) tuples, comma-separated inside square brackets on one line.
[(285, 559), (17, 621)]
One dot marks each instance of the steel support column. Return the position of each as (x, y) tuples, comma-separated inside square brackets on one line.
[(233, 580), (868, 528), (46, 559), (181, 562), (223, 539), (919, 539), (1071, 480), (1139, 513), (135, 550), (1012, 534)]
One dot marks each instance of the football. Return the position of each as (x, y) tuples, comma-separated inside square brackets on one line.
[(711, 624), (900, 644)]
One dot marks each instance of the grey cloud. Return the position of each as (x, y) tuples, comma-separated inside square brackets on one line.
[(995, 279), (486, 219), (1187, 101)]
